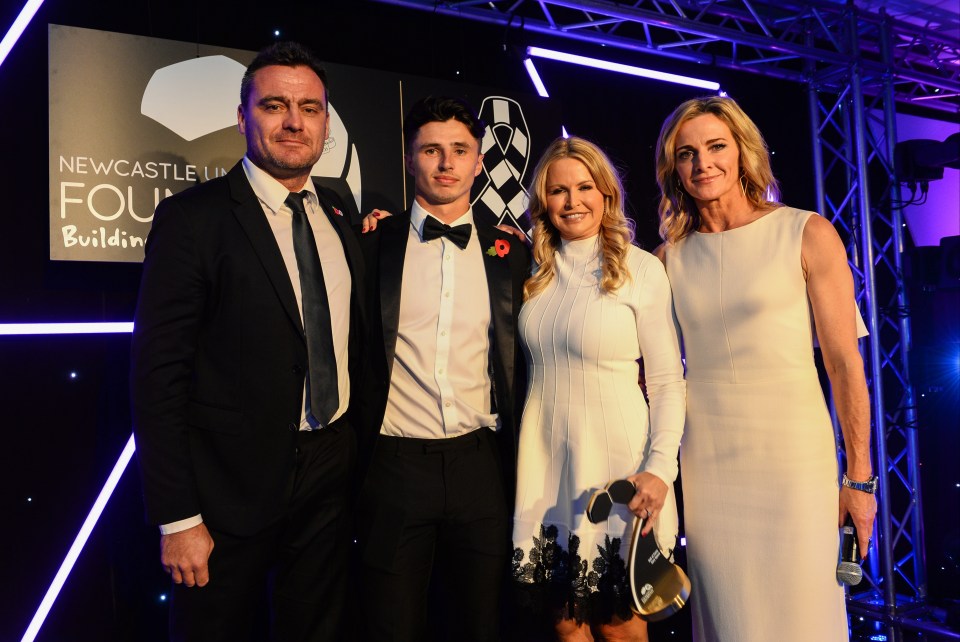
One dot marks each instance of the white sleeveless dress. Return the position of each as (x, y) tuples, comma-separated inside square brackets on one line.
[(586, 422), (758, 460)]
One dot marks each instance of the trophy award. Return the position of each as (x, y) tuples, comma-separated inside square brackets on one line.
[(659, 587)]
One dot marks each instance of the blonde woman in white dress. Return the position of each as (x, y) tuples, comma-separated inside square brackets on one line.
[(594, 305), (753, 281)]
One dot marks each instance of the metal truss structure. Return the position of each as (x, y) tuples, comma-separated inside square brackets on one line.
[(793, 40), (858, 66)]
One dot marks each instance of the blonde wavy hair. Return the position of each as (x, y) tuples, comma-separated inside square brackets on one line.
[(616, 230), (678, 215)]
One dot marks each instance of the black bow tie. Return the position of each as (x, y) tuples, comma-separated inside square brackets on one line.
[(459, 234)]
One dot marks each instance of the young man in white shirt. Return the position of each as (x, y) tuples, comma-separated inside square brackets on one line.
[(439, 440)]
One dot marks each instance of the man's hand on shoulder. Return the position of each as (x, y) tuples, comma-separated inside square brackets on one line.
[(185, 554)]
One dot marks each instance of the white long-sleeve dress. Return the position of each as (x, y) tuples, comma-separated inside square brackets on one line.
[(586, 422)]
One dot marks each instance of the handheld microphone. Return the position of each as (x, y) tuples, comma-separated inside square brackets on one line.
[(848, 569)]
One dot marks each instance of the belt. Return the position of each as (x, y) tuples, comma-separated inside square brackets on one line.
[(413, 445)]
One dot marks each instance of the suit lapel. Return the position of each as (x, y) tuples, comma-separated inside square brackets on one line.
[(351, 247), (500, 285), (393, 250), (249, 214)]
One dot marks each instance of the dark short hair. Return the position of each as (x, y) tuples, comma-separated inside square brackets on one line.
[(283, 54), (440, 109)]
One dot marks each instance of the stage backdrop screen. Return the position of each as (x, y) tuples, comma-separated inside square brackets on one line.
[(135, 119)]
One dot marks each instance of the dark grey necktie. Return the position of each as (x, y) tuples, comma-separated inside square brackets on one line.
[(323, 398)]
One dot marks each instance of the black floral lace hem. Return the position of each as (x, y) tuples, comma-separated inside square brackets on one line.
[(549, 579)]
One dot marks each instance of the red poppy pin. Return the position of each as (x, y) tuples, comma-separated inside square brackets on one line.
[(500, 248), (337, 212)]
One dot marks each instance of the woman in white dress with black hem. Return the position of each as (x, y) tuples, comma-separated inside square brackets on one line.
[(594, 305)]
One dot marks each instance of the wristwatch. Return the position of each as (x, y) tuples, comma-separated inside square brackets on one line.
[(869, 486)]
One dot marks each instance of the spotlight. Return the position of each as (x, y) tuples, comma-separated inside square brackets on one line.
[(922, 160)]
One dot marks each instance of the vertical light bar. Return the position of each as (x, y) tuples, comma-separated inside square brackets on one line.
[(18, 26), (535, 77), (541, 88), (45, 605), (119, 327), (596, 63)]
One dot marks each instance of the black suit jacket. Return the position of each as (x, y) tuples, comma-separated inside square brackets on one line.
[(219, 357), (384, 253)]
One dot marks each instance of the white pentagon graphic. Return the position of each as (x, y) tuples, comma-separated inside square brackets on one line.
[(195, 97)]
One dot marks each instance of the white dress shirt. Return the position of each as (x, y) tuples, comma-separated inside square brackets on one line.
[(336, 278), (440, 384)]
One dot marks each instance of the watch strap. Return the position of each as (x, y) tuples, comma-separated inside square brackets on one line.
[(868, 486)]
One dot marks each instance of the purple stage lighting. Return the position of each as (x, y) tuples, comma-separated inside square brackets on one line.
[(61, 577), (123, 327), (535, 77), (17, 28), (51, 596), (596, 63)]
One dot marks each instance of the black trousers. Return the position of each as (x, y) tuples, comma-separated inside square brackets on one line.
[(288, 582), (433, 505)]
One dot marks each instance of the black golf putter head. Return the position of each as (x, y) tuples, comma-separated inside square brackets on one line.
[(619, 491)]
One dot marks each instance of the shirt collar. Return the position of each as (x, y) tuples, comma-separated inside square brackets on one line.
[(418, 215), (270, 192)]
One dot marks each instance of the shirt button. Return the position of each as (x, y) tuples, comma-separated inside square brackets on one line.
[(443, 333), (448, 404), (440, 371), (446, 294), (447, 258)]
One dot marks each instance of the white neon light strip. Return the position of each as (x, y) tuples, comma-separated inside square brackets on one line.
[(66, 328), (535, 77), (595, 63), (79, 542), (18, 26)]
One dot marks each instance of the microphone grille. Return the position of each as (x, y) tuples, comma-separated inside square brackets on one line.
[(849, 573)]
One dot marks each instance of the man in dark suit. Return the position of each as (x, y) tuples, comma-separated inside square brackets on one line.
[(242, 346), (441, 409)]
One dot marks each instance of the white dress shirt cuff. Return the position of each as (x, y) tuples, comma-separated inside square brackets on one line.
[(181, 525)]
